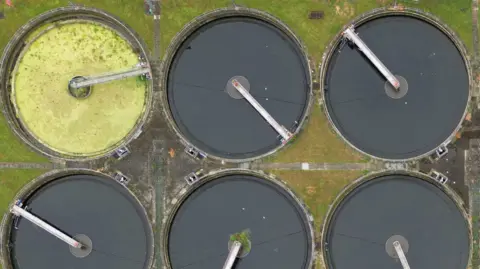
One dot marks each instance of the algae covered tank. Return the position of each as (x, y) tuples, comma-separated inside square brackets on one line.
[(50, 51)]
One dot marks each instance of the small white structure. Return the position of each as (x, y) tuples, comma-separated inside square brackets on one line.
[(439, 177)]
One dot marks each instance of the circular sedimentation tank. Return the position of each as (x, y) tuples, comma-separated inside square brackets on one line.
[(44, 57), (372, 214), (434, 74), (88, 206), (200, 229), (263, 55)]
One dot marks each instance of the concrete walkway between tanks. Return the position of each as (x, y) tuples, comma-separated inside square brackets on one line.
[(472, 178), (21, 165), (476, 46), (316, 166), (46, 166)]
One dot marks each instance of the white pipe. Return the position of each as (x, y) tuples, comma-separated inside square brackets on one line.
[(401, 254), (232, 255), (18, 211), (286, 135), (352, 36)]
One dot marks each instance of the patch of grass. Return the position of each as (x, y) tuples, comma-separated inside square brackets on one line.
[(457, 14), (177, 13), (13, 150), (316, 34), (11, 181), (475, 236), (131, 12), (317, 189), (317, 143)]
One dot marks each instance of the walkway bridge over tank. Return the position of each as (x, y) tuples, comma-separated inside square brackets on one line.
[(81, 82)]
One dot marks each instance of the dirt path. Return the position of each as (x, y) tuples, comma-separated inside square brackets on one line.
[(475, 33)]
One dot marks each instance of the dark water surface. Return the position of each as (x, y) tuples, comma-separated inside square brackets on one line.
[(99, 208), (202, 226), (435, 229), (406, 127), (211, 119)]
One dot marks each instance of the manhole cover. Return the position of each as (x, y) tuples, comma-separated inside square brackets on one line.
[(316, 15)]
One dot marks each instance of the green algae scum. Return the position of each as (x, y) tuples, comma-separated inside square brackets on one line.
[(53, 116)]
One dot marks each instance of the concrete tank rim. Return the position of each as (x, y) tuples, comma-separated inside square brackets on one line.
[(216, 174), (50, 176), (456, 199), (210, 16), (10, 56), (384, 12)]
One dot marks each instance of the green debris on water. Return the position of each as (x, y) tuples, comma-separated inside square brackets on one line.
[(67, 124), (243, 238)]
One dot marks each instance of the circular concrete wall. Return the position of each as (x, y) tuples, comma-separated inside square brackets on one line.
[(87, 205), (197, 70), (433, 68), (20, 40), (223, 203), (373, 212)]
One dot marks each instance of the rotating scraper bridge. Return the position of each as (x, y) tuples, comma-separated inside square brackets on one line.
[(82, 81), (13, 52)]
